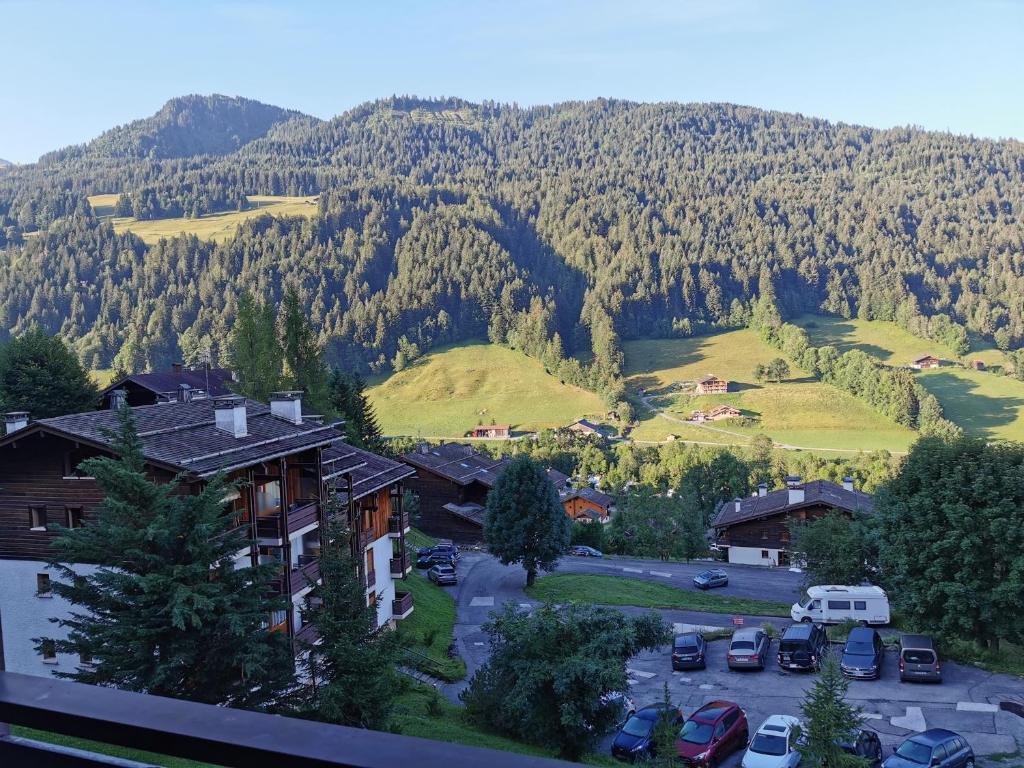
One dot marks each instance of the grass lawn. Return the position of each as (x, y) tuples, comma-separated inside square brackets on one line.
[(124, 753), (103, 377), (984, 403), (616, 590), (799, 412), (430, 628), (451, 390), (214, 226)]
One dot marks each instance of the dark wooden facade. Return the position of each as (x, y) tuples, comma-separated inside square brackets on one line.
[(771, 532), (434, 491)]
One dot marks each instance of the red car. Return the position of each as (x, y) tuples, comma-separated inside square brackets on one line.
[(711, 733)]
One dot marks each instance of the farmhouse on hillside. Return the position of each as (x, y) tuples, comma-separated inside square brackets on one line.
[(925, 361), (755, 530), (452, 482), (711, 385), (584, 427), (722, 412), (492, 432)]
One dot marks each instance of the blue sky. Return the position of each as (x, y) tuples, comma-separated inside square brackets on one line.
[(74, 69)]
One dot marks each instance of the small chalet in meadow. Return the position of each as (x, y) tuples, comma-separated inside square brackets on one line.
[(492, 432), (755, 530), (711, 385), (179, 384), (588, 428), (978, 365), (925, 361), (452, 482), (722, 412), (585, 505)]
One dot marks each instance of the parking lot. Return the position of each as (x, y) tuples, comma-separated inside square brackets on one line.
[(966, 701)]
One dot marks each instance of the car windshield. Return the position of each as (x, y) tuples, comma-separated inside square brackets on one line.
[(919, 657), (637, 726), (741, 645), (767, 744), (696, 733), (686, 644), (806, 601), (915, 752), (706, 575), (445, 569), (860, 649), (792, 646)]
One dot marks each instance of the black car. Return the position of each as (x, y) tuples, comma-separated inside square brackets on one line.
[(863, 654), (802, 647), (689, 651), (449, 549), (867, 746), (636, 739), (434, 558), (713, 578)]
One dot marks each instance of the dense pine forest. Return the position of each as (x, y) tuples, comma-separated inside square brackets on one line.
[(560, 229)]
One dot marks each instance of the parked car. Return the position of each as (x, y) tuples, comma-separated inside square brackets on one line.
[(636, 739), (713, 732), (748, 649), (773, 745), (802, 647), (442, 574), (447, 548), (583, 551), (863, 654), (867, 745), (689, 651), (919, 660), (936, 747), (435, 558), (713, 578)]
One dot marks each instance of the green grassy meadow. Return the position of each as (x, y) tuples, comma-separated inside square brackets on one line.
[(449, 391), (799, 412), (214, 226), (984, 403)]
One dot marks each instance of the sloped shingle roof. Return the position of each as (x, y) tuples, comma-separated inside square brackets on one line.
[(161, 382), (369, 471), (458, 462), (816, 492)]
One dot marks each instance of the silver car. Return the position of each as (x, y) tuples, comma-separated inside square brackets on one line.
[(748, 649)]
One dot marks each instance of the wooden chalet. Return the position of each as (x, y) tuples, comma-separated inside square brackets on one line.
[(588, 428), (755, 530), (925, 361), (452, 482), (585, 505), (492, 432), (711, 385), (179, 383), (722, 412)]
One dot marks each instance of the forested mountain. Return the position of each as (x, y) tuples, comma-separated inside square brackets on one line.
[(560, 229)]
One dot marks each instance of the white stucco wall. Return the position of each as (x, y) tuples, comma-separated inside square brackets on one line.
[(385, 587), (752, 556), (26, 616)]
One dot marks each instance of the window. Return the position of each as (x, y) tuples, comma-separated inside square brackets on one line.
[(73, 458), (860, 605), (731, 718), (764, 534), (43, 588), (764, 554), (839, 605), (371, 600), (73, 517), (279, 621), (720, 730), (939, 752), (37, 518), (49, 651)]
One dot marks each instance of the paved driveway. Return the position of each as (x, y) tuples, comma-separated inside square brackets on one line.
[(965, 702)]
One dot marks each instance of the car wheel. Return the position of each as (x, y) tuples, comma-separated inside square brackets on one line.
[(805, 620)]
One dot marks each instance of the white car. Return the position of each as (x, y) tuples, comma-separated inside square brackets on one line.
[(774, 744)]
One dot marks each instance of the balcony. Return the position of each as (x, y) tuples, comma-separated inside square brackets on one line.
[(270, 526), (370, 579), (307, 634), (303, 513), (400, 566), (367, 537), (307, 574), (210, 734), (401, 606), (398, 524)]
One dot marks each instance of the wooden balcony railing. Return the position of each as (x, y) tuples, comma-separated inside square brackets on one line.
[(371, 579), (401, 606), (401, 565), (302, 514), (398, 524), (306, 574), (270, 526), (367, 536)]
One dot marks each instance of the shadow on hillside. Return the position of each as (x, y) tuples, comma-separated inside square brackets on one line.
[(801, 380), (743, 386), (839, 335), (969, 408), (648, 384)]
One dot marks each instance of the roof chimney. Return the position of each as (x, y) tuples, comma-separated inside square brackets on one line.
[(14, 421), (423, 448), (287, 405), (118, 398), (184, 393), (739, 503), (762, 489), (230, 415), (796, 489), (176, 367), (848, 483)]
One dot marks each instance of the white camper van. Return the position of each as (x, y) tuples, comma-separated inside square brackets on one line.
[(833, 604)]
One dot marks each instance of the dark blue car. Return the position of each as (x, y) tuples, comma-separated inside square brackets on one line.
[(636, 739), (863, 654), (937, 747)]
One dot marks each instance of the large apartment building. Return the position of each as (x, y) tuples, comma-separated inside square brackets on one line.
[(273, 454)]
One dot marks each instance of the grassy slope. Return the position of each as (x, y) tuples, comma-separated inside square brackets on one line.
[(449, 391), (430, 628), (616, 590), (798, 412), (982, 402), (214, 226)]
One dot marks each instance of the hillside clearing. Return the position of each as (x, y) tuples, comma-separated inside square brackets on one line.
[(214, 226), (799, 412), (451, 390)]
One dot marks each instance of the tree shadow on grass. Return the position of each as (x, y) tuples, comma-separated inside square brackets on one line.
[(973, 411), (840, 335)]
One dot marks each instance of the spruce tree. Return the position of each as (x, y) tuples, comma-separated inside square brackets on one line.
[(829, 721), (352, 667), (39, 374), (303, 356), (254, 350), (347, 398), (165, 612)]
